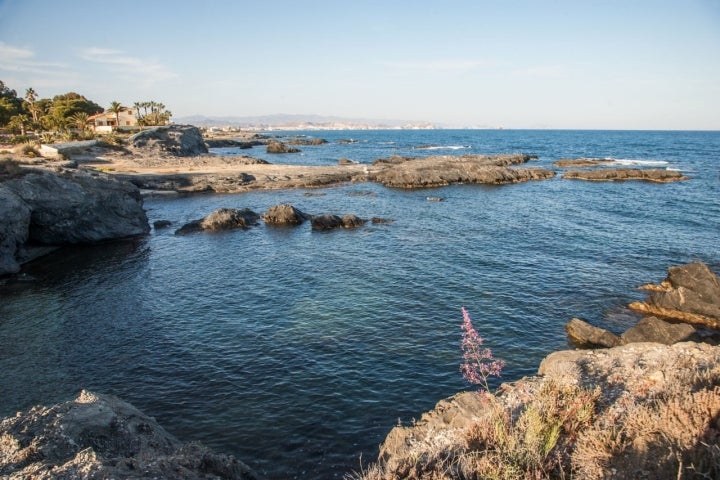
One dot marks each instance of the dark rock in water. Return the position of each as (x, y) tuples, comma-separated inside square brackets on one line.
[(326, 222), (279, 147), (284, 215), (220, 220), (585, 335), (381, 221), (656, 175), (690, 293), (229, 142), (435, 199), (160, 224), (307, 141), (352, 221), (346, 161), (175, 140), (652, 329), (443, 170), (101, 436), (330, 222), (73, 207)]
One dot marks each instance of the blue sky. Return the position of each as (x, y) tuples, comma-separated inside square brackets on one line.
[(517, 64)]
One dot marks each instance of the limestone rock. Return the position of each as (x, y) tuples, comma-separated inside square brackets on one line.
[(690, 293), (284, 215), (172, 140), (656, 175), (101, 436), (652, 329), (581, 162), (77, 208), (442, 170), (279, 147), (220, 220), (583, 334)]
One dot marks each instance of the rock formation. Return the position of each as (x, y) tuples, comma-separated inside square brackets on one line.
[(442, 170), (617, 383), (41, 207), (175, 140), (101, 436), (284, 215), (220, 220), (690, 293), (331, 222), (582, 162), (307, 141), (279, 147), (656, 175)]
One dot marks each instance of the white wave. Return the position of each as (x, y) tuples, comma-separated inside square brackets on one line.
[(443, 147), (639, 163)]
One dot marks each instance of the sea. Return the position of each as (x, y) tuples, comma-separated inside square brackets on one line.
[(298, 351)]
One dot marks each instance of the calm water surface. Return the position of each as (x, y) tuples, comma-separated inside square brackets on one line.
[(297, 351)]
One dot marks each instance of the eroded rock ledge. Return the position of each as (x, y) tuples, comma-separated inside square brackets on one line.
[(100, 436), (46, 208)]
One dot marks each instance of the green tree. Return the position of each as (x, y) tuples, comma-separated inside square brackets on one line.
[(10, 104), (19, 124)]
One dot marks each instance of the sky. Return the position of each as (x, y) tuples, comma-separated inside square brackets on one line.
[(630, 64)]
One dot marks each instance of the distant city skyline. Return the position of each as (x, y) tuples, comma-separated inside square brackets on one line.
[(525, 64)]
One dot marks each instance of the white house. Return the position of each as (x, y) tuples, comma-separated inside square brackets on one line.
[(107, 122)]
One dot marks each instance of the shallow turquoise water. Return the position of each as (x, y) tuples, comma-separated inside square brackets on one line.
[(298, 351)]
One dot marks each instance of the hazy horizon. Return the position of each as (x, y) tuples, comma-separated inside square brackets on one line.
[(645, 65)]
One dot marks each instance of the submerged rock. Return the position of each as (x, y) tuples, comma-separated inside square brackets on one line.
[(101, 436), (220, 220)]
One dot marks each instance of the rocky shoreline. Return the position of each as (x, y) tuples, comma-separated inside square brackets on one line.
[(642, 409), (96, 196)]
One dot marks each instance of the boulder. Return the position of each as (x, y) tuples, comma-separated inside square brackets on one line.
[(657, 175), (14, 229), (77, 208), (284, 215), (690, 293), (331, 222), (101, 436), (652, 329), (221, 220), (279, 147), (585, 335), (160, 224), (172, 140)]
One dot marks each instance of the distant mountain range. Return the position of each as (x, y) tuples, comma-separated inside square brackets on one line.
[(301, 122)]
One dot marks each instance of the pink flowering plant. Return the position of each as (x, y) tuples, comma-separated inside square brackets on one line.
[(478, 362)]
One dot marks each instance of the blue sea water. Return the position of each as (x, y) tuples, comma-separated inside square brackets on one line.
[(297, 351)]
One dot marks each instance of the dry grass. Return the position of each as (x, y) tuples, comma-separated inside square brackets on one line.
[(567, 432)]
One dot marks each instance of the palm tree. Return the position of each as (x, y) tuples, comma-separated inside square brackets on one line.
[(30, 97), (80, 120), (116, 108)]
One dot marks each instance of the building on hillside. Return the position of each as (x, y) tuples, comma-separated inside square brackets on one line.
[(107, 122)]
